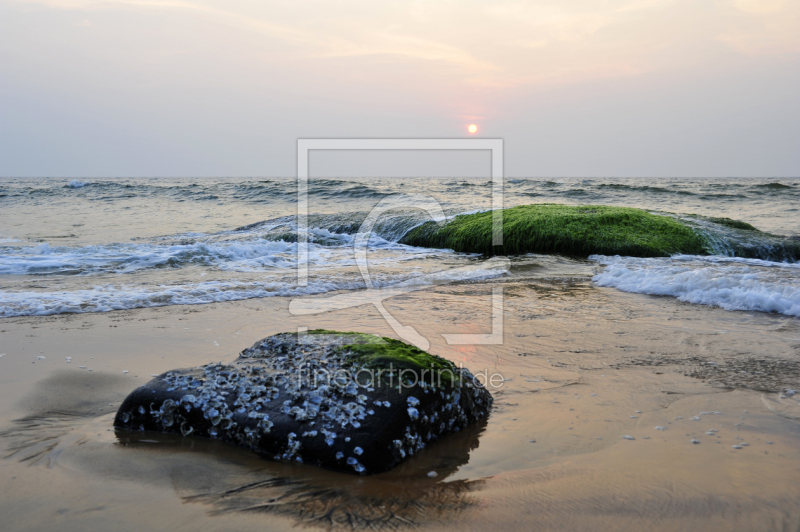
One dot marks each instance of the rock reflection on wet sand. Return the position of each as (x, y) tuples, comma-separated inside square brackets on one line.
[(227, 479), (405, 496)]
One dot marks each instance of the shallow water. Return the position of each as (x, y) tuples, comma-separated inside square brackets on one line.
[(117, 244), (116, 280)]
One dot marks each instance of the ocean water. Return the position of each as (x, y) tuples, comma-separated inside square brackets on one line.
[(96, 245)]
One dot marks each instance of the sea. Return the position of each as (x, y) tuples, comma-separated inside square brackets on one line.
[(99, 245)]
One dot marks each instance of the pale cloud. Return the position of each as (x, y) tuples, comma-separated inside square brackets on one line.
[(551, 22), (640, 5), (782, 40), (759, 27), (525, 42), (762, 6), (502, 44), (399, 44), (570, 74), (214, 87), (356, 41)]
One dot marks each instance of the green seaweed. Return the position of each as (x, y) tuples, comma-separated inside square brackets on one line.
[(357, 337), (733, 238), (397, 354), (735, 224), (375, 352), (572, 230)]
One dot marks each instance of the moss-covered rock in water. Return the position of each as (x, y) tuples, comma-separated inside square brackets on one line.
[(547, 228), (348, 401), (597, 229)]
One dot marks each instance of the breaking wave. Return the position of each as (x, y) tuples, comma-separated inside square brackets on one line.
[(725, 282), (86, 244)]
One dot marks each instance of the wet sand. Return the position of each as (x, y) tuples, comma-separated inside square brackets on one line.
[(585, 366)]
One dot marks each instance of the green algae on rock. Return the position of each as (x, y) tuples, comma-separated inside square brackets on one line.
[(391, 357), (302, 397), (585, 230), (388, 357), (732, 238), (735, 224)]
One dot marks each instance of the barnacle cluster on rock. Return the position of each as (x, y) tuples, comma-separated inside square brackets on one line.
[(347, 401)]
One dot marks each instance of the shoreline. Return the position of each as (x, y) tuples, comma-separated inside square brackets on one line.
[(579, 362)]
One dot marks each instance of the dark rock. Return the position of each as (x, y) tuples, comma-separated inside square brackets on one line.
[(345, 401)]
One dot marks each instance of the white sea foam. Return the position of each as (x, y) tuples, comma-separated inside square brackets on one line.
[(76, 184), (729, 283), (248, 255), (226, 255), (107, 298), (113, 297)]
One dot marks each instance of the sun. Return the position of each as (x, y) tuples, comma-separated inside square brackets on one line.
[(472, 128)]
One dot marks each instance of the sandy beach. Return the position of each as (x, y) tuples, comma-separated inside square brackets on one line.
[(233, 233), (584, 367)]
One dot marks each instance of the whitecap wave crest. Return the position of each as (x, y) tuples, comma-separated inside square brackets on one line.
[(725, 282)]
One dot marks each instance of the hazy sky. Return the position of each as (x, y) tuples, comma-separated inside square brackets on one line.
[(575, 87)]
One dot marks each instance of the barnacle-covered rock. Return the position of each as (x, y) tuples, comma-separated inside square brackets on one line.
[(347, 401)]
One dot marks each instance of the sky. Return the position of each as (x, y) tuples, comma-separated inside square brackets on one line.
[(594, 88)]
